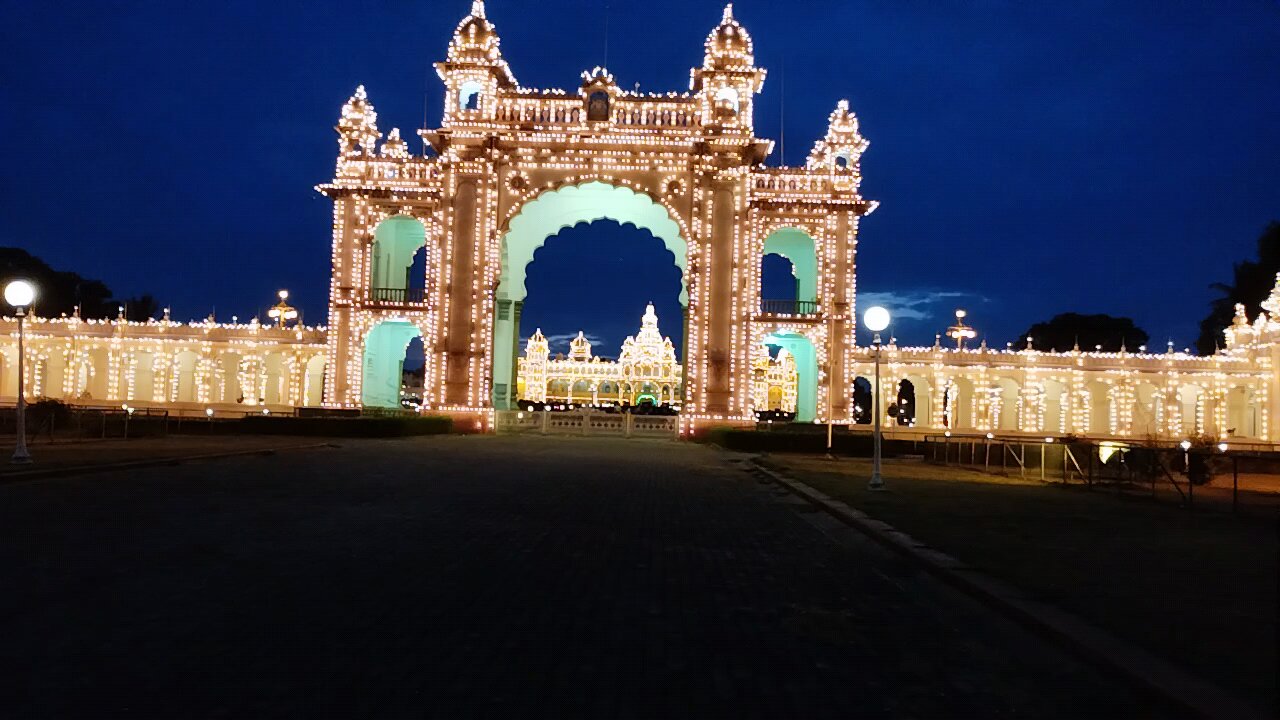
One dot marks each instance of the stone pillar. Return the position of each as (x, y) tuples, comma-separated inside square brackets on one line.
[(719, 264), (460, 357)]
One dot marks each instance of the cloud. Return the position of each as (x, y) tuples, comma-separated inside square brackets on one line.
[(559, 343), (916, 304)]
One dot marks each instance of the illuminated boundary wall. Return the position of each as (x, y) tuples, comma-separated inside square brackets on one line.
[(184, 367)]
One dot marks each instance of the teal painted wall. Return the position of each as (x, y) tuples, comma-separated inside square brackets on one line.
[(384, 350)]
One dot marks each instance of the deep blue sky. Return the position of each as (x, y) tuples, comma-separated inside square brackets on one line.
[(1030, 157)]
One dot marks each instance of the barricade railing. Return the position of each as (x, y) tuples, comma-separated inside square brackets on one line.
[(1125, 466)]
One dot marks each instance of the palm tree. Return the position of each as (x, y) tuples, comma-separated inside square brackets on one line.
[(1252, 282)]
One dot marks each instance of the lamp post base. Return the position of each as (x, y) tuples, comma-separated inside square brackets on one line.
[(876, 483), (21, 457)]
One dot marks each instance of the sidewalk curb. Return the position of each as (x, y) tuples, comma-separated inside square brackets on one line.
[(1154, 675), (150, 462)]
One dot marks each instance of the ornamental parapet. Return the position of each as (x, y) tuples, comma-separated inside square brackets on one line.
[(1092, 360), (70, 327)]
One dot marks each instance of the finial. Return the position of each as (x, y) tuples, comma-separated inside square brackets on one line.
[(477, 8), (728, 13), (360, 93)]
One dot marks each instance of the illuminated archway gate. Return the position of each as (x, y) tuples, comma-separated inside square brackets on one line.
[(512, 165)]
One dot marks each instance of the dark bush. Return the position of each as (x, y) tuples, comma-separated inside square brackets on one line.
[(45, 413), (346, 426), (804, 441)]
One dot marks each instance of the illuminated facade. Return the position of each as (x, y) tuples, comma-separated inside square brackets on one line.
[(510, 166), (646, 370), (774, 381), (1234, 393), (186, 368)]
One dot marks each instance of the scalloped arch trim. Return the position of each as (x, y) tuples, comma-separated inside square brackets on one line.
[(555, 210)]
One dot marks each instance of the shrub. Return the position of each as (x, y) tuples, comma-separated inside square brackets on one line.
[(347, 426)]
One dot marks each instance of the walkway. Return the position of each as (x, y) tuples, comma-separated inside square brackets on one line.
[(505, 576)]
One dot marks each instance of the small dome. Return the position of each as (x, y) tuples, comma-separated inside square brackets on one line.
[(729, 41), (475, 30)]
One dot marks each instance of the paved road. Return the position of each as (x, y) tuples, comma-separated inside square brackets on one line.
[(482, 576)]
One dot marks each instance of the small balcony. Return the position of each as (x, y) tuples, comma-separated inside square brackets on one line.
[(398, 296), (803, 309)]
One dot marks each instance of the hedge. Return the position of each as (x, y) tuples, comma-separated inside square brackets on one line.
[(860, 445), (343, 426)]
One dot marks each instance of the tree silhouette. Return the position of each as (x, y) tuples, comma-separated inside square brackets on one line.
[(140, 308), (1065, 331), (1251, 283), (58, 292)]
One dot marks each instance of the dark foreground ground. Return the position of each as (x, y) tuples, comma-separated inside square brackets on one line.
[(482, 576)]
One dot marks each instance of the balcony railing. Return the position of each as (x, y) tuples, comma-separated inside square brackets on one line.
[(788, 307), (400, 296)]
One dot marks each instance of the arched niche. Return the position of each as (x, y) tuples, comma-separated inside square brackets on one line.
[(395, 241), (383, 362), (802, 350), (799, 248)]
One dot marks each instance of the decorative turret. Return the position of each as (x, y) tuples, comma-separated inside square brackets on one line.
[(357, 126), (598, 92), (537, 348), (580, 348), (474, 70), (394, 146), (729, 46), (843, 146), (728, 78), (1272, 303), (648, 345)]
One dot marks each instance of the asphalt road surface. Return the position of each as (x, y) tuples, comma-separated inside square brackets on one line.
[(489, 576)]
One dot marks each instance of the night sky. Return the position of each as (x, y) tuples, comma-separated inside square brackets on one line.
[(1030, 157)]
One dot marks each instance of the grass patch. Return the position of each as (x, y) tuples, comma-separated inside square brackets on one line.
[(1196, 587)]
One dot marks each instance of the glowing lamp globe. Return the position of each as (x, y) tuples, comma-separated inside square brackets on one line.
[(876, 318), (19, 293)]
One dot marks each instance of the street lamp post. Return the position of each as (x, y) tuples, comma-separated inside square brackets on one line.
[(831, 354), (876, 319), (281, 312), (20, 294)]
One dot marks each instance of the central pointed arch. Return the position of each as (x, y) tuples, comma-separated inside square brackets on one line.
[(544, 216)]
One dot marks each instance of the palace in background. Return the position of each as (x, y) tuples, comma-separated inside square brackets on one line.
[(510, 166), (646, 371)]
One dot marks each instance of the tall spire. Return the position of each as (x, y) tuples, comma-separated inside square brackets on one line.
[(477, 8)]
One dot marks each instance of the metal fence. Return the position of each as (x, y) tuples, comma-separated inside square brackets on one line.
[(403, 296), (1161, 470), (788, 307)]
